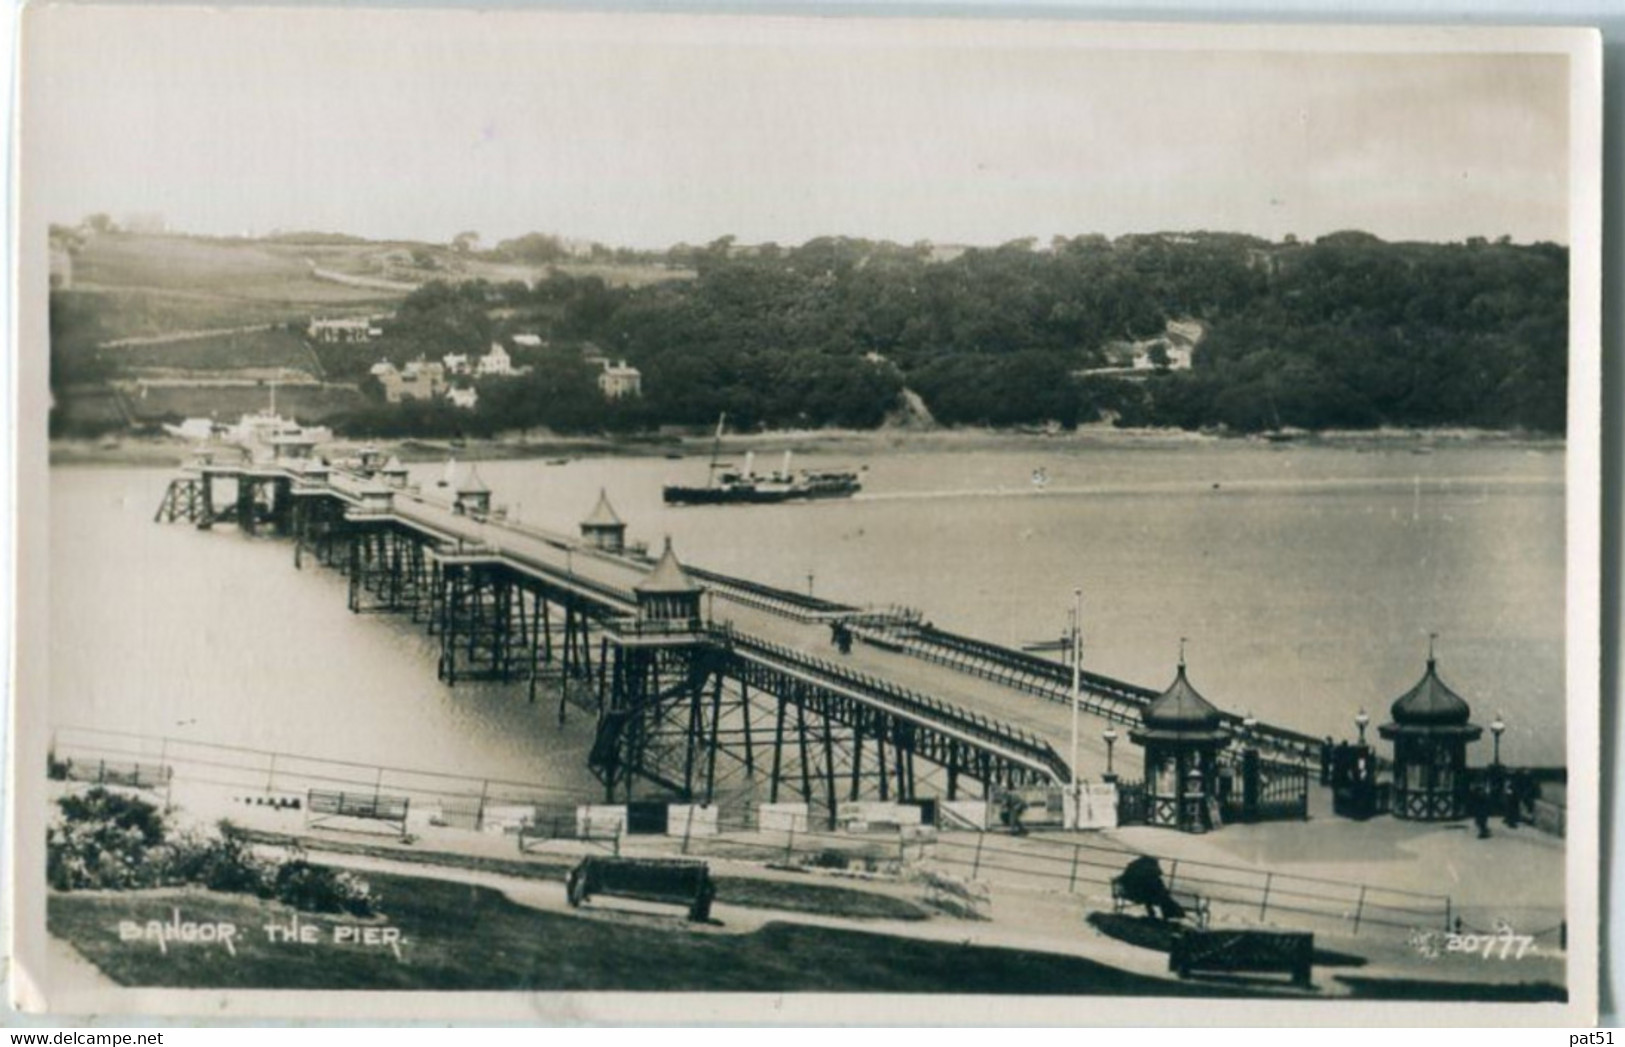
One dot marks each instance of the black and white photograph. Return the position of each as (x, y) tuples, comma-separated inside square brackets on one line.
[(575, 516)]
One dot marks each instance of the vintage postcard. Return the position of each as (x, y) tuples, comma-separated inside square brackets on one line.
[(696, 518)]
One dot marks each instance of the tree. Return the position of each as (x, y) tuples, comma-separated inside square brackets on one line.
[(465, 242), (534, 248)]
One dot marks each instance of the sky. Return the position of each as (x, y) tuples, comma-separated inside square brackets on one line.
[(654, 130)]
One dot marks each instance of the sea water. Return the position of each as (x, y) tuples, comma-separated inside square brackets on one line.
[(1305, 581)]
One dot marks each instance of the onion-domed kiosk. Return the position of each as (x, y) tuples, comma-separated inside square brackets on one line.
[(1430, 733), (1181, 733)]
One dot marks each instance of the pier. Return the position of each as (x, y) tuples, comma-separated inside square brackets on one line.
[(700, 684)]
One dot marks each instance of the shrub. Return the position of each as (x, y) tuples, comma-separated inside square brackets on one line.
[(830, 859), (103, 840), (318, 888), (220, 863), (109, 841)]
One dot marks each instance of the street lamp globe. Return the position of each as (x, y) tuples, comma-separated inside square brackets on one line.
[(1361, 719)]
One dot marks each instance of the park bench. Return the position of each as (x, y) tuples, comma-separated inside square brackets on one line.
[(552, 822), (671, 881), (324, 805), (1226, 952), (1196, 906)]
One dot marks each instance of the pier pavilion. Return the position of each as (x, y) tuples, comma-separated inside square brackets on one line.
[(394, 473), (1430, 732), (668, 594), (1182, 734), (603, 529), (473, 497)]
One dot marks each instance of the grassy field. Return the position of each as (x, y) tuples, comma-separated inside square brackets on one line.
[(139, 313), (183, 266), (152, 285), (1408, 989), (276, 347), (458, 937), (91, 410), (183, 263), (787, 896), (304, 403)]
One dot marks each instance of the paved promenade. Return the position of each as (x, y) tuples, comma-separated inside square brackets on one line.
[(1029, 910)]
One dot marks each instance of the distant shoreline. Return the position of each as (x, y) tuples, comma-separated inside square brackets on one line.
[(147, 452)]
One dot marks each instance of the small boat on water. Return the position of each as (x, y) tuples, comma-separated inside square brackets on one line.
[(747, 487), (728, 486)]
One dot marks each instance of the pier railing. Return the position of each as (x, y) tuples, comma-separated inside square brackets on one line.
[(931, 710), (1243, 894), (1102, 696), (1067, 864), (1084, 868), (255, 776), (797, 606)]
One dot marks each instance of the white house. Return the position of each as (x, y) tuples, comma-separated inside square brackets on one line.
[(464, 398), (618, 380), (456, 363), (495, 363), (1178, 355), (343, 330), (529, 341), (418, 380)]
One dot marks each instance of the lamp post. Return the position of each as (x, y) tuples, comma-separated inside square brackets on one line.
[(1362, 718), (1249, 724), (1110, 735), (1497, 726)]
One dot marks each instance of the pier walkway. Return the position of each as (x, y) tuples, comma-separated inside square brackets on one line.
[(754, 612)]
